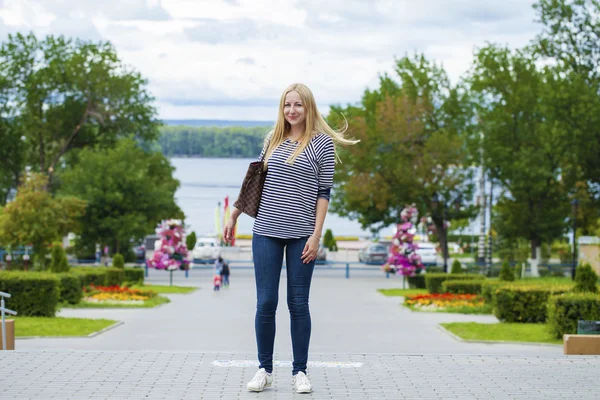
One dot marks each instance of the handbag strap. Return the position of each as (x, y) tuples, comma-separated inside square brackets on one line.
[(263, 153)]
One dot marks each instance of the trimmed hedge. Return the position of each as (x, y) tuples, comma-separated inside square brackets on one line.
[(472, 286), (488, 289), (114, 276), (566, 309), (417, 281), (135, 276), (524, 303), (91, 275), (33, 294), (433, 282), (71, 290)]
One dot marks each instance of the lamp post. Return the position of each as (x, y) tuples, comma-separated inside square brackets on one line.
[(574, 206)]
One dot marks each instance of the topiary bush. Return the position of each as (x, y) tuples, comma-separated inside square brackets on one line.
[(507, 273), (70, 288), (329, 241), (456, 267), (134, 276), (585, 279), (118, 261), (433, 282), (190, 241), (488, 288), (470, 286), (58, 261), (524, 303), (114, 277), (33, 294), (565, 310)]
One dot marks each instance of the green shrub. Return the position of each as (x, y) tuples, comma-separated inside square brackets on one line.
[(488, 288), (114, 276), (507, 273), (58, 261), (472, 286), (33, 294), (456, 267), (190, 241), (134, 276), (118, 261), (70, 288), (585, 279), (91, 275), (417, 281), (524, 303), (433, 282), (565, 310)]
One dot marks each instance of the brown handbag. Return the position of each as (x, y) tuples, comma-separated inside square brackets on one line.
[(252, 187)]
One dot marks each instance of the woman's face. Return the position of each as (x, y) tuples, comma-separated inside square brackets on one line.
[(293, 109)]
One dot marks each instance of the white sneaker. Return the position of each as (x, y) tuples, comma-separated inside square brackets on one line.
[(261, 380), (301, 383)]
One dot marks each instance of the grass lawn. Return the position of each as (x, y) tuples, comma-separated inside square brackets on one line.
[(402, 292), (156, 301), (504, 332), (58, 326), (485, 309), (163, 289)]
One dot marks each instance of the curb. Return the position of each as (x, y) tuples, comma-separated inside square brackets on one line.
[(91, 335), (459, 339)]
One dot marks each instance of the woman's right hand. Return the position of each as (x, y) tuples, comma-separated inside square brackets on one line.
[(228, 231)]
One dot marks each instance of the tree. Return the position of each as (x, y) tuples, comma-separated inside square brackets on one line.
[(586, 279), (571, 40), (456, 267), (414, 136), (58, 261), (12, 146), (37, 218), (506, 272), (521, 144), (71, 94), (127, 190), (190, 240)]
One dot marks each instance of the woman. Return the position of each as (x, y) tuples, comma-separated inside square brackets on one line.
[(299, 155)]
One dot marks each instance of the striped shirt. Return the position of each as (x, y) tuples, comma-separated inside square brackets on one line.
[(289, 199)]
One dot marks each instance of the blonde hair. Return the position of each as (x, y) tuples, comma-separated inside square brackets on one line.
[(314, 124)]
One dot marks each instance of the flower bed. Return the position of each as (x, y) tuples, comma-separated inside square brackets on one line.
[(446, 302), (116, 294)]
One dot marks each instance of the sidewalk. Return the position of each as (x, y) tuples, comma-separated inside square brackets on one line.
[(363, 346), (190, 375)]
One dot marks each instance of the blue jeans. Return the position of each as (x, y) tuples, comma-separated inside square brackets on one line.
[(268, 259)]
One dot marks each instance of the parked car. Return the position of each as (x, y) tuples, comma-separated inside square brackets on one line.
[(374, 253), (139, 251), (207, 249), (321, 254), (428, 253)]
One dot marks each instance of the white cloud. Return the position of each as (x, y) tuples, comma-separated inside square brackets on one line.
[(230, 59)]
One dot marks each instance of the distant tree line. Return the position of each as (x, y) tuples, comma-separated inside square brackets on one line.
[(186, 141)]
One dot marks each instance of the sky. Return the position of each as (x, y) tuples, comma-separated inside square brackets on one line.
[(232, 59)]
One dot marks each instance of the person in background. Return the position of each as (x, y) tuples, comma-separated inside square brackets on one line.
[(225, 274), (216, 282)]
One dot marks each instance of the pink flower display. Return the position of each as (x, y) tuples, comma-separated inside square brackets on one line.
[(403, 257), (170, 251)]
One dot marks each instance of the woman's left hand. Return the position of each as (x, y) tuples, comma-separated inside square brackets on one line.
[(310, 250)]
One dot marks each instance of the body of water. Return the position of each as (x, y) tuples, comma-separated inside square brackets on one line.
[(207, 181)]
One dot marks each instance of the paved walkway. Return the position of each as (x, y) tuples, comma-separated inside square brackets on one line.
[(364, 346)]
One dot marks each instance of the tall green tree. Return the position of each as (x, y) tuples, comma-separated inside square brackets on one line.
[(37, 218), (12, 145), (127, 190), (570, 39), (414, 133), (70, 94), (522, 144)]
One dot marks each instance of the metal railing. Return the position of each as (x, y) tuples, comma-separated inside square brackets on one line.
[(3, 311)]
